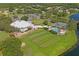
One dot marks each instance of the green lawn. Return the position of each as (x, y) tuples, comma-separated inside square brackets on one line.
[(40, 22), (3, 36), (42, 42)]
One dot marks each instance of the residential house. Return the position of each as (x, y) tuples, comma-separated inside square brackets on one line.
[(22, 25), (59, 28)]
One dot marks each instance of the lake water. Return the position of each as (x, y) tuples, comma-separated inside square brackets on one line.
[(75, 51)]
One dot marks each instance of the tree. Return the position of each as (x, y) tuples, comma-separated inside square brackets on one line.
[(45, 22), (72, 25), (11, 47), (11, 9), (5, 23), (24, 18)]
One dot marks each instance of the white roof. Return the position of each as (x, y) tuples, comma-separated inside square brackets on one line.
[(21, 24)]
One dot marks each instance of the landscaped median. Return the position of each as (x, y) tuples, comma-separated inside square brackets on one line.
[(43, 42)]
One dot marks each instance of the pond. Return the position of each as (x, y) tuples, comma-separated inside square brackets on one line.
[(75, 51)]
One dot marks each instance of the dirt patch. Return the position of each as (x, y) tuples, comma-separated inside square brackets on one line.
[(19, 34)]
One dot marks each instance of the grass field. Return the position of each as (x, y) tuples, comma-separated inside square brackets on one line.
[(3, 36), (42, 42), (40, 22)]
